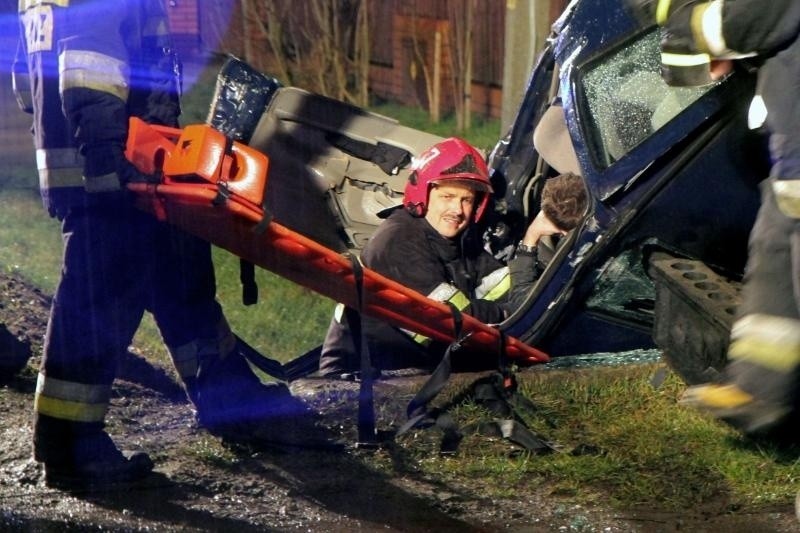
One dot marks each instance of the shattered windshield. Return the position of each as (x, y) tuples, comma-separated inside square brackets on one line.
[(628, 100)]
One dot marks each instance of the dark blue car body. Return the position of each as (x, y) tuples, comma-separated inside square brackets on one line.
[(683, 182)]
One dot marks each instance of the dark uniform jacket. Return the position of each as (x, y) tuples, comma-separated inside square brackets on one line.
[(770, 31), (410, 251), (90, 65)]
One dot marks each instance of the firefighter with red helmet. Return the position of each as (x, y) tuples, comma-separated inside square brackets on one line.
[(429, 245), (84, 67), (758, 390)]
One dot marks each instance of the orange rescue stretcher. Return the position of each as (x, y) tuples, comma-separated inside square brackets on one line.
[(213, 187)]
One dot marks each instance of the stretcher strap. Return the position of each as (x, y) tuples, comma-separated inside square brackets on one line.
[(265, 364), (367, 436), (247, 277), (419, 415), (497, 392)]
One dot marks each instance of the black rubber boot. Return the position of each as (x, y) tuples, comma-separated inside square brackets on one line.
[(227, 394), (82, 457), (235, 405)]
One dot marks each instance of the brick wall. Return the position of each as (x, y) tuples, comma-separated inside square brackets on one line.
[(404, 80), (396, 70), (184, 22)]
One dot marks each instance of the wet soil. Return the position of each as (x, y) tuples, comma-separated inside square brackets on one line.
[(202, 485)]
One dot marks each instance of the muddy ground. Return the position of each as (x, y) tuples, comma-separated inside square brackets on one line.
[(203, 485)]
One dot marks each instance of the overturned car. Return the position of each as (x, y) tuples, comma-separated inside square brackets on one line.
[(672, 175)]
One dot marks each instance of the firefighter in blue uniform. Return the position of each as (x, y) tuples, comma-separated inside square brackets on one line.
[(91, 64), (758, 390)]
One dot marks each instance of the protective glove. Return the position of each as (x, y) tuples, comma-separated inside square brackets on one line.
[(787, 195), (106, 174), (107, 169)]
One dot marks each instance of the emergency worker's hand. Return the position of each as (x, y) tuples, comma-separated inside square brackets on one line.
[(128, 173), (58, 201), (721, 68), (107, 169), (106, 172), (787, 195)]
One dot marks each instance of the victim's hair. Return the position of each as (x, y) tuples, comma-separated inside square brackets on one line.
[(564, 200)]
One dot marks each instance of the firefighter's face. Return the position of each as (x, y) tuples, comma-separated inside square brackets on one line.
[(450, 209)]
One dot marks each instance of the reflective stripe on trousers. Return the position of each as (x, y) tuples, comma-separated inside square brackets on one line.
[(68, 400)]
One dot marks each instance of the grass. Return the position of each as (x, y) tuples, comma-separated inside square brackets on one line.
[(483, 134), (622, 441), (29, 239)]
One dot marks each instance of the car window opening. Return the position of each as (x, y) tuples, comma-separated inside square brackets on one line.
[(628, 100)]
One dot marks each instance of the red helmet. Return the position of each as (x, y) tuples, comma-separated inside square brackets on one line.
[(452, 159)]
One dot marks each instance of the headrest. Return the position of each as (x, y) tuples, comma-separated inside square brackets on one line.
[(551, 139)]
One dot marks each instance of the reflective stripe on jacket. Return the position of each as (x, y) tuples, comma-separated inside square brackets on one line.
[(741, 28), (90, 65)]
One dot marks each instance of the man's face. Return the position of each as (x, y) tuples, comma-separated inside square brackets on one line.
[(450, 209)]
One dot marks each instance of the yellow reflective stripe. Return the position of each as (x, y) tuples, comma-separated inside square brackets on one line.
[(460, 300), (338, 312), (71, 390), (419, 338), (38, 24), (444, 292), (82, 69), (772, 342), (66, 410), (57, 158), (696, 24), (500, 289), (495, 285), (24, 5), (53, 179), (787, 195), (68, 400), (712, 29), (490, 282), (721, 396), (684, 60), (662, 11), (765, 354)]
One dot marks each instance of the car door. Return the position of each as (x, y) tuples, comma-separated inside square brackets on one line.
[(667, 169)]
